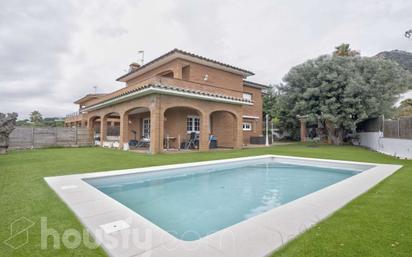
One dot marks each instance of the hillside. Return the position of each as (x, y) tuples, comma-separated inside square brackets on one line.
[(402, 57)]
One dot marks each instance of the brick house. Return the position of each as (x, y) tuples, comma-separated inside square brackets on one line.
[(167, 99)]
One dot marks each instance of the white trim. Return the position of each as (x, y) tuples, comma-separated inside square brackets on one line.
[(192, 117), (248, 83), (276, 227), (250, 117), (248, 124), (165, 91)]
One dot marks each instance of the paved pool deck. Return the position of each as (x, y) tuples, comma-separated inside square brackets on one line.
[(124, 233)]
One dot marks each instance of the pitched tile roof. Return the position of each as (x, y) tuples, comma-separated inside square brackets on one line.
[(178, 51), (88, 97), (254, 84)]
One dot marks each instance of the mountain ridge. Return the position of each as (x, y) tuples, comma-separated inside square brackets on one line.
[(403, 58)]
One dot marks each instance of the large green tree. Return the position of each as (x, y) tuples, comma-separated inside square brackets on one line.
[(340, 91)]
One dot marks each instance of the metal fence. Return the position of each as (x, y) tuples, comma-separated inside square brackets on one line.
[(399, 128), (23, 137)]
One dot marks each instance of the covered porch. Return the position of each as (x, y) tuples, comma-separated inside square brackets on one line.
[(158, 123)]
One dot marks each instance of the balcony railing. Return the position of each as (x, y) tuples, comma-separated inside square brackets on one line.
[(74, 116)]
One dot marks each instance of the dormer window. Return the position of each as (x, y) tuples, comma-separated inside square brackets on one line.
[(247, 96)]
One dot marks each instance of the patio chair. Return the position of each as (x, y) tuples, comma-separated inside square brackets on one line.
[(133, 143), (192, 142), (212, 142), (145, 142)]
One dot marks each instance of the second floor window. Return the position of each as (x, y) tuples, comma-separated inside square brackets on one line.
[(193, 124), (247, 96)]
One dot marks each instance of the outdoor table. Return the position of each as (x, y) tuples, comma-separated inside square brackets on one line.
[(167, 139)]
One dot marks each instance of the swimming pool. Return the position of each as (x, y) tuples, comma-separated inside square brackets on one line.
[(191, 203), (241, 207)]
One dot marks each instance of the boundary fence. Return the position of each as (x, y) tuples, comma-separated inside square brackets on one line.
[(23, 137)]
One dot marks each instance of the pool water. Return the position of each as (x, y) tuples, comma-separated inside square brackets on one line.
[(191, 203)]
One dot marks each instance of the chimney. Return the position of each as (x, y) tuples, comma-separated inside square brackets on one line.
[(134, 66)]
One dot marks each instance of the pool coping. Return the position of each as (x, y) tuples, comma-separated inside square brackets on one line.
[(124, 233)]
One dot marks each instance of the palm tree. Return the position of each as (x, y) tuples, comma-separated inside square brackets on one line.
[(344, 50)]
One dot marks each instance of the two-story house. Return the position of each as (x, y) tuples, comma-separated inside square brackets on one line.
[(167, 99)]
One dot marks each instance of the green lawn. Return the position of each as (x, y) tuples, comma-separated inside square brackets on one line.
[(376, 224)]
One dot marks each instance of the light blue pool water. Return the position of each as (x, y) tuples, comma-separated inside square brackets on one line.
[(191, 203)]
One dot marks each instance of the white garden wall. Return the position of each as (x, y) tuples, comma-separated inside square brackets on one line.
[(392, 146)]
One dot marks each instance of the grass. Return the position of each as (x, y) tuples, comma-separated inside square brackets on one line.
[(379, 223)]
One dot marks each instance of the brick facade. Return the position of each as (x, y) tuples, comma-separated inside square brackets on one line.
[(253, 114), (220, 114)]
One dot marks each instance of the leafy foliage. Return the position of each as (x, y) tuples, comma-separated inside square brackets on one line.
[(271, 105), (37, 120), (345, 50), (341, 91), (36, 117), (276, 105)]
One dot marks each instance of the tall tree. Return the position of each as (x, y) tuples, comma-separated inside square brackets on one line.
[(340, 91), (344, 50), (271, 105), (270, 102), (36, 117)]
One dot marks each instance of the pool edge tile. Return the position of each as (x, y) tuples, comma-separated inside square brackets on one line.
[(255, 227)]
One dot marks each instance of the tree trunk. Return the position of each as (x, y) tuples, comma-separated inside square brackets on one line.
[(335, 135)]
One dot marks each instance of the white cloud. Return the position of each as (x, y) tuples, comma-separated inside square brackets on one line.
[(52, 53)]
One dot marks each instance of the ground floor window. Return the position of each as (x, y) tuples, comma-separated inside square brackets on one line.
[(193, 124), (247, 126), (146, 128)]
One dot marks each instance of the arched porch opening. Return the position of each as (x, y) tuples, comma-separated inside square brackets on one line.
[(110, 129), (224, 130), (93, 124), (182, 128), (136, 128)]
